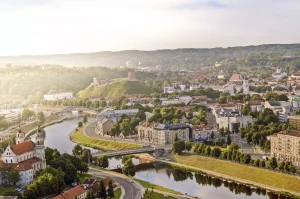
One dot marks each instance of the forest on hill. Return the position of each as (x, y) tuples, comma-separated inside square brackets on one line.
[(166, 58)]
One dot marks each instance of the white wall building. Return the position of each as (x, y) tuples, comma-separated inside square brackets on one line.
[(58, 96), (26, 156)]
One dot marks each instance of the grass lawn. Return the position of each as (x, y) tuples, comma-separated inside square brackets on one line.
[(154, 195), (254, 174), (32, 125), (83, 176), (157, 187), (3, 189), (101, 144), (117, 193)]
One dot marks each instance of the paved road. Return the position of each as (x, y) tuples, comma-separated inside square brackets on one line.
[(90, 131), (133, 190)]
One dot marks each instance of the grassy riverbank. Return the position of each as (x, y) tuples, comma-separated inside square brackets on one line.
[(149, 185), (77, 136), (243, 172)]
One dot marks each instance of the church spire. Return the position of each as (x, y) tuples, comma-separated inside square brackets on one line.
[(20, 136)]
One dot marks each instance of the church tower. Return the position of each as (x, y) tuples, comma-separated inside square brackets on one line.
[(20, 136), (39, 146), (245, 86)]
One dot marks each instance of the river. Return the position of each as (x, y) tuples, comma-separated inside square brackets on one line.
[(197, 185)]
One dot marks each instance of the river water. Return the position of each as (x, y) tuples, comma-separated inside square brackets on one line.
[(197, 185)]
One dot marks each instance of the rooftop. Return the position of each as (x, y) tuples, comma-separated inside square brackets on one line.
[(23, 147), (290, 133), (71, 193)]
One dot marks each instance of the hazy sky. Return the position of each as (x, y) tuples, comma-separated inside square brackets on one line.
[(67, 26)]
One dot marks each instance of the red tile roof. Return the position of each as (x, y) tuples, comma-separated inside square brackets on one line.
[(23, 147), (106, 181), (235, 77), (24, 165), (71, 193)]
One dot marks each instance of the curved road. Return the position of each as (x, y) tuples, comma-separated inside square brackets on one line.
[(133, 190)]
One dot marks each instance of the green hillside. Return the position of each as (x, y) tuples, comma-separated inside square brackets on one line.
[(114, 90)]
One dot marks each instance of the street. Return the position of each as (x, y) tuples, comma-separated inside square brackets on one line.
[(132, 190)]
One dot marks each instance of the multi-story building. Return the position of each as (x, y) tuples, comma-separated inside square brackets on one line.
[(202, 132), (164, 133), (115, 114), (281, 108), (294, 121), (285, 146), (104, 126), (58, 96), (26, 156)]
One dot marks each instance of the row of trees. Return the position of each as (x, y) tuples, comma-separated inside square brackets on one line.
[(179, 146), (9, 175)]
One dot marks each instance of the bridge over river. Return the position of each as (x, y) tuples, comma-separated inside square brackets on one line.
[(130, 151)]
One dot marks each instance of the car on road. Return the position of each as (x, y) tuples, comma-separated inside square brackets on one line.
[(18, 189)]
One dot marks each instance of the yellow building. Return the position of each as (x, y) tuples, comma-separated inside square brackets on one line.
[(285, 146), (104, 126), (294, 121)]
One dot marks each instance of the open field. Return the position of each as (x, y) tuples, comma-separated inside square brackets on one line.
[(105, 145), (154, 195), (262, 176), (156, 187), (118, 193), (4, 189)]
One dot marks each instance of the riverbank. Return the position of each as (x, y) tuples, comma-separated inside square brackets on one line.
[(105, 145), (273, 181)]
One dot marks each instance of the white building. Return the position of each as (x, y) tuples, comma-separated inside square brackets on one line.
[(26, 156), (202, 132), (115, 114), (245, 87), (281, 108), (58, 96), (278, 74), (164, 133)]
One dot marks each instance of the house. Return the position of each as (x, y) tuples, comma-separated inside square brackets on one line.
[(256, 105), (77, 192), (278, 74), (26, 156), (202, 132), (236, 78), (280, 108), (295, 75), (104, 126), (199, 100), (88, 182), (106, 182)]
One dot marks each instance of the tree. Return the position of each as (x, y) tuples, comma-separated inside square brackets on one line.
[(14, 176), (70, 173), (216, 152), (188, 146), (281, 166), (246, 158), (103, 161), (233, 146), (272, 163), (77, 150), (257, 162), (263, 164), (207, 150), (90, 195), (129, 168), (110, 190), (86, 155), (80, 124), (102, 190), (85, 120), (178, 147), (228, 142), (41, 117), (246, 110), (27, 114)]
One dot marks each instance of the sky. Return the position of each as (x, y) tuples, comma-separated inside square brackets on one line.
[(38, 27)]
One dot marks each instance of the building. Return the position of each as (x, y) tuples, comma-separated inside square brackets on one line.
[(281, 108), (295, 75), (115, 114), (77, 192), (245, 87), (285, 146), (278, 74), (104, 126), (58, 96), (257, 105), (164, 133), (294, 121), (202, 132), (26, 156), (236, 78), (199, 100)]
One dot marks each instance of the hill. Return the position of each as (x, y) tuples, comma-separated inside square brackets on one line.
[(167, 58), (115, 90)]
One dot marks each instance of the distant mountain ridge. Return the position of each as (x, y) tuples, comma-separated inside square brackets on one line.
[(165, 57)]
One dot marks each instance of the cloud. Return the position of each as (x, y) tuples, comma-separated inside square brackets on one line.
[(200, 4)]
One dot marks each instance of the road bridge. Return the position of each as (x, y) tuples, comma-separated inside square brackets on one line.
[(130, 151)]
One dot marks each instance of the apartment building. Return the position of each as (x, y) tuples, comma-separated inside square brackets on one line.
[(285, 146), (164, 133)]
